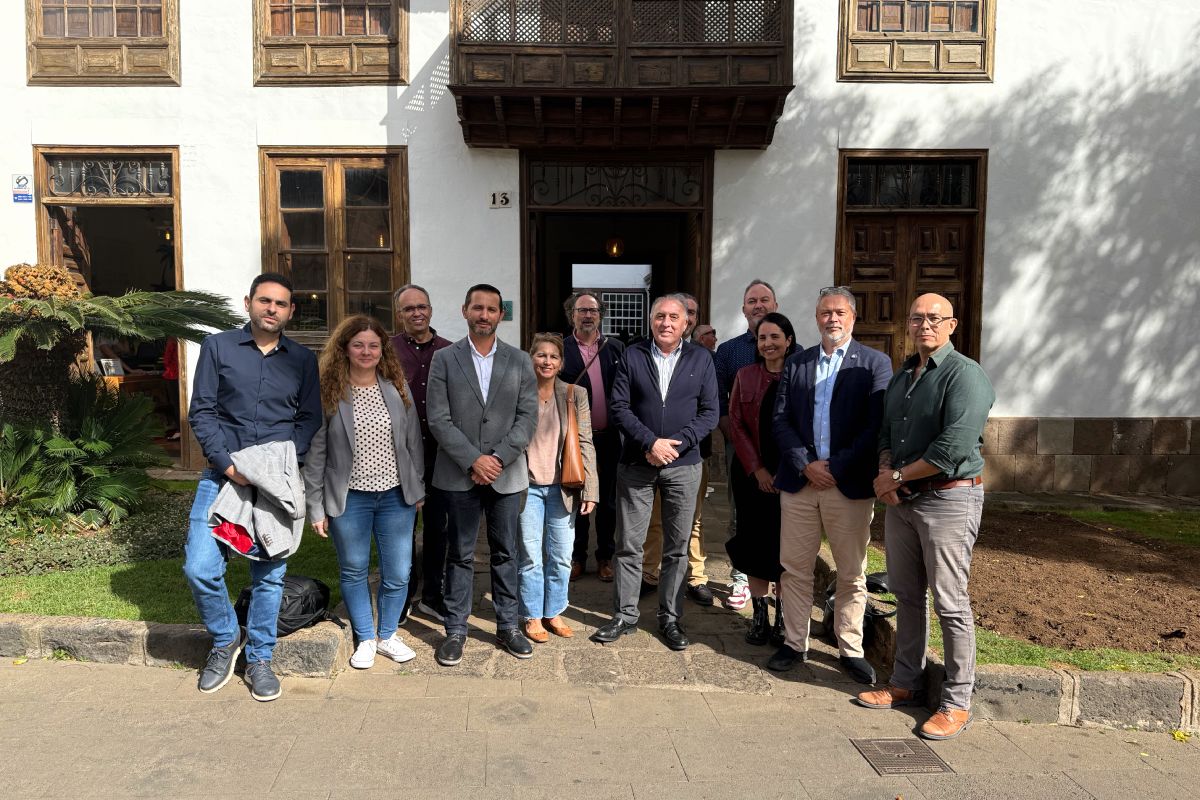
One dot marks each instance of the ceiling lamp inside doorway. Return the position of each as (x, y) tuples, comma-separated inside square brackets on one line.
[(615, 248)]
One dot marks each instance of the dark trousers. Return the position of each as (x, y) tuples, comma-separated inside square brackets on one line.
[(429, 572), (608, 453), (503, 513)]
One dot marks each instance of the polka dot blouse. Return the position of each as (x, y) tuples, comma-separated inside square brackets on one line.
[(374, 467)]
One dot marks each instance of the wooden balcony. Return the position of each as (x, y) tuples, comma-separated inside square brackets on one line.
[(608, 74)]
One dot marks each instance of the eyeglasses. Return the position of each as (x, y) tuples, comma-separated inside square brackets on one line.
[(424, 309), (934, 320), (587, 311)]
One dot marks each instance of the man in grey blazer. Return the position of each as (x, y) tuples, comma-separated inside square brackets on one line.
[(482, 409)]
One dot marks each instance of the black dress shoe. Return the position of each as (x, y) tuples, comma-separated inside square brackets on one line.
[(515, 643), (701, 594), (785, 658), (449, 652), (859, 668), (674, 636), (647, 588), (614, 630)]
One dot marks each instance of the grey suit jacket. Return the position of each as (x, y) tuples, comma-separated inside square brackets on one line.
[(331, 455), (466, 427)]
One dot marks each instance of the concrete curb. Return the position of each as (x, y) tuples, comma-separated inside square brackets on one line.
[(1142, 701), (318, 651)]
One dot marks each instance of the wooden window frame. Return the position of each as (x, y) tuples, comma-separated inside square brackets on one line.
[(298, 60), (980, 157), (942, 51), (102, 61), (270, 161)]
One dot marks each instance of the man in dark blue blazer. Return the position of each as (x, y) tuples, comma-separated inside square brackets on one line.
[(827, 420), (664, 400)]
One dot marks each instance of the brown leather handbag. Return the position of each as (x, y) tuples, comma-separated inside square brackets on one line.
[(572, 457)]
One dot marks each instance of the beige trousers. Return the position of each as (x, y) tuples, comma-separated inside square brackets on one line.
[(652, 554), (805, 515)]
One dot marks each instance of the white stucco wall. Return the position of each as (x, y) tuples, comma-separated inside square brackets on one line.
[(1092, 248), (1092, 244)]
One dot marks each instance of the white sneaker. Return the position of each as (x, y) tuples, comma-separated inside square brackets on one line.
[(395, 649), (364, 655), (429, 611), (739, 595)]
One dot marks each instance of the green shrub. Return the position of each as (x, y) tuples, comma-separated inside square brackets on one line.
[(89, 472)]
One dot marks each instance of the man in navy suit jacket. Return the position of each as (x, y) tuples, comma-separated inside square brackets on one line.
[(827, 421)]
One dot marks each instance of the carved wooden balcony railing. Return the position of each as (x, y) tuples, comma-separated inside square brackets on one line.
[(620, 73)]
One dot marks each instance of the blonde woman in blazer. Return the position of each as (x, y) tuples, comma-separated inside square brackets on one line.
[(548, 519), (363, 479)]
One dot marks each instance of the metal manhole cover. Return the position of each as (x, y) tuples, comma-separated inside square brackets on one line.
[(900, 756)]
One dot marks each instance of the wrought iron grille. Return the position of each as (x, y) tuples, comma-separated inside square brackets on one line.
[(539, 21), (910, 184), (78, 176), (657, 185), (706, 21)]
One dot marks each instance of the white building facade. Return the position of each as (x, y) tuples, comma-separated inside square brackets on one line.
[(1037, 160)]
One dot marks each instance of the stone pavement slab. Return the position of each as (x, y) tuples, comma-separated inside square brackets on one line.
[(97, 730)]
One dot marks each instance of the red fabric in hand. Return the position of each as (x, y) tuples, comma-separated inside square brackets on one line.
[(235, 536)]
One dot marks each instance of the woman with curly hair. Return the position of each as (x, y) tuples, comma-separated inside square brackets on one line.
[(363, 479)]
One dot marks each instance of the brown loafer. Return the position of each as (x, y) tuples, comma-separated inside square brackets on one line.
[(604, 571), (946, 723), (888, 697), (559, 627), (576, 570), (535, 632)]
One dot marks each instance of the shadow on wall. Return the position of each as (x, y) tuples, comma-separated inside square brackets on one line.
[(1092, 264)]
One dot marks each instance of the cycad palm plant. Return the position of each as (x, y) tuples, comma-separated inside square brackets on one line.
[(44, 319)]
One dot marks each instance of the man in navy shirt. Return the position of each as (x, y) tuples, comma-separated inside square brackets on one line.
[(664, 399), (252, 386)]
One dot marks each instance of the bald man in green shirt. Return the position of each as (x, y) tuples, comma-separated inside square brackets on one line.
[(931, 478)]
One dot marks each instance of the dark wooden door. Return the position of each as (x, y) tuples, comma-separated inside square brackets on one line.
[(888, 259), (68, 244)]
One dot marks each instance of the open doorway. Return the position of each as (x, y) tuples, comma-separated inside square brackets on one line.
[(111, 218), (631, 228)]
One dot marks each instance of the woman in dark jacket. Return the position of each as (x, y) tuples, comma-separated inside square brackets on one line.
[(363, 479), (754, 548)]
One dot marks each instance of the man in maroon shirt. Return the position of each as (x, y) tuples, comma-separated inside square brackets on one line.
[(415, 345)]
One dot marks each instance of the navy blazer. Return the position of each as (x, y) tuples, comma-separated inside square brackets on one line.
[(855, 416), (688, 414), (572, 369)]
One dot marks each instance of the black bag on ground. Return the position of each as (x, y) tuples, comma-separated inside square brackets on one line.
[(305, 602), (876, 584)]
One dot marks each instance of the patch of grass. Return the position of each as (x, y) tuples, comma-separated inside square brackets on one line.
[(992, 648), (1181, 527), (149, 590), (168, 485)]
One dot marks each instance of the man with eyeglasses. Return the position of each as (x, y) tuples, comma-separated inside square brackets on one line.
[(930, 478), (415, 345), (705, 335), (590, 359)]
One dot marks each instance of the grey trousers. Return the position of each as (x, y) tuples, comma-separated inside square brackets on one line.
[(636, 484), (929, 542)]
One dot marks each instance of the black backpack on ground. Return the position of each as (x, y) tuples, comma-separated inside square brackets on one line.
[(305, 602)]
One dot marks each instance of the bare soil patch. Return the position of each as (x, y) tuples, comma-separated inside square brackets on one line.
[(1058, 582)]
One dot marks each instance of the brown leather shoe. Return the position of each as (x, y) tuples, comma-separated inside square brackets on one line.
[(535, 632), (576, 570), (888, 697), (946, 723), (559, 627), (604, 571)]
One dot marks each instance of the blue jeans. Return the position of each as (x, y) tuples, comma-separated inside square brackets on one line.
[(385, 517), (547, 538), (204, 567)]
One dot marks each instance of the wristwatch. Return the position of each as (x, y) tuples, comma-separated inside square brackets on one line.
[(897, 477)]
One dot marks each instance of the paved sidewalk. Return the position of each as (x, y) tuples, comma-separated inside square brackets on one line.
[(96, 730)]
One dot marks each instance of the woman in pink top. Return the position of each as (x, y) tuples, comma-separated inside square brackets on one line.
[(548, 519)]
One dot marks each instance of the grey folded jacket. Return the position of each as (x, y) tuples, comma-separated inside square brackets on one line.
[(271, 509)]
